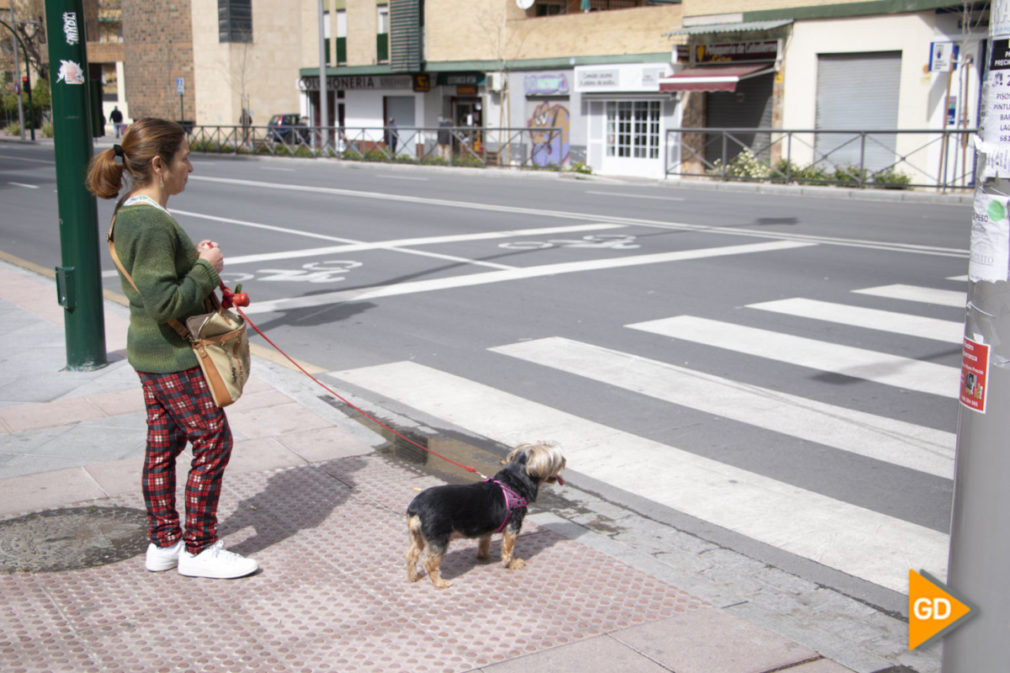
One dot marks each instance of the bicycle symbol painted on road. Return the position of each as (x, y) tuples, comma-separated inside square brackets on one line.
[(331, 271), (593, 241)]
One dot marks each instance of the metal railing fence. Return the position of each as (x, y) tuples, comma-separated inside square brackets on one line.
[(445, 145), (877, 158), (889, 158)]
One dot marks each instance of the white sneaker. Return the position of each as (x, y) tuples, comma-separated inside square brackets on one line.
[(217, 563), (163, 558)]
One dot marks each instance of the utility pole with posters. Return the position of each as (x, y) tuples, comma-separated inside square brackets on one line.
[(980, 525), (78, 278)]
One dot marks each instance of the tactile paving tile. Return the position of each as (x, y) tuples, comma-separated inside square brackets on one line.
[(333, 594)]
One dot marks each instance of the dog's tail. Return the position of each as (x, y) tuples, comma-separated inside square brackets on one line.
[(415, 548), (414, 528)]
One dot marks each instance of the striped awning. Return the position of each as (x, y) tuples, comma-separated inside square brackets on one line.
[(730, 27), (713, 77)]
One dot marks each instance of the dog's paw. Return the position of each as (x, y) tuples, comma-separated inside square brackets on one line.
[(442, 584), (516, 564)]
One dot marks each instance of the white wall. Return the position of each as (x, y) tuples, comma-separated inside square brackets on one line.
[(921, 93)]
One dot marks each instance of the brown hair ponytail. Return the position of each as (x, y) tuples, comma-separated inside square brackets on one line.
[(105, 175), (145, 139)]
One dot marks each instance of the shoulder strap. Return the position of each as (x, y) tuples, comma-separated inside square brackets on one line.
[(174, 324)]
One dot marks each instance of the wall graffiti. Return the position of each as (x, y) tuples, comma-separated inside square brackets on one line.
[(550, 131)]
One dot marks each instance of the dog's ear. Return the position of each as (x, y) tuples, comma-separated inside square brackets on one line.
[(519, 454)]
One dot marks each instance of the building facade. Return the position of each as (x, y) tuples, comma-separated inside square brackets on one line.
[(609, 81), (836, 66), (587, 73)]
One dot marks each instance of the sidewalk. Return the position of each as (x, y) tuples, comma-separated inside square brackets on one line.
[(311, 495)]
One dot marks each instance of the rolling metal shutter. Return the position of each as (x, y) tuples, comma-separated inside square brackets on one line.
[(749, 106), (405, 35), (860, 92)]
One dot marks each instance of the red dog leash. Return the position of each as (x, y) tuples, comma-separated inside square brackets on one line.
[(348, 403)]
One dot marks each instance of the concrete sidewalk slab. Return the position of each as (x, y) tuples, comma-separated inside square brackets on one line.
[(333, 593), (311, 497), (685, 643)]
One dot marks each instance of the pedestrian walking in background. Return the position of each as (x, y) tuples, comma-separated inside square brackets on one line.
[(116, 117), (392, 136), (444, 138), (245, 120), (173, 278)]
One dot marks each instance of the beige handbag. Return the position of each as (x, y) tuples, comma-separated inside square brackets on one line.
[(218, 338), (221, 345)]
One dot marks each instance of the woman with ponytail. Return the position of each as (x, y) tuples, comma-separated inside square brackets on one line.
[(173, 277)]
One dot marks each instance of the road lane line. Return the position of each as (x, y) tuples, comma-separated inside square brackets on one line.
[(853, 539), (22, 184), (626, 195), (541, 213), (923, 295), (869, 318), (893, 441), (892, 370), (469, 280), (29, 159)]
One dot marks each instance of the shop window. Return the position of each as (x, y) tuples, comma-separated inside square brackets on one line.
[(550, 7), (633, 129), (110, 82), (341, 37), (604, 5), (234, 21), (382, 38)]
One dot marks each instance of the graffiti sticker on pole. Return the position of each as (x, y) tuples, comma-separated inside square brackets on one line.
[(974, 375)]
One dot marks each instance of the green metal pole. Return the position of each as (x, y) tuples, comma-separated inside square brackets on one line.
[(78, 279)]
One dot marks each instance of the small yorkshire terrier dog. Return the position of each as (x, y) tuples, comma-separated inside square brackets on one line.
[(441, 513)]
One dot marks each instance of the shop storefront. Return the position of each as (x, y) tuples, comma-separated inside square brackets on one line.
[(366, 103), (547, 112), (626, 117), (733, 85)]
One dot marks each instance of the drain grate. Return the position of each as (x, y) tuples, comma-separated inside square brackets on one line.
[(70, 539)]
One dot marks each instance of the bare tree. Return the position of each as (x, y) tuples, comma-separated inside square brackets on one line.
[(29, 23)]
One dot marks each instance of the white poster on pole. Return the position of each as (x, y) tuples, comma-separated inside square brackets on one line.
[(990, 239)]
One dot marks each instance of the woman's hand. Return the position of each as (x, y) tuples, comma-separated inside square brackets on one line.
[(209, 251)]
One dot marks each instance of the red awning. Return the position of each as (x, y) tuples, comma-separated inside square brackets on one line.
[(712, 77)]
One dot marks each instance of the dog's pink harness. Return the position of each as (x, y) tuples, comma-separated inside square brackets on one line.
[(513, 501)]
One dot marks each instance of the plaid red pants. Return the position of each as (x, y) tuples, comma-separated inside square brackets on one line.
[(180, 408)]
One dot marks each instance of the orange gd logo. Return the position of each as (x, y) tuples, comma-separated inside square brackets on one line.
[(932, 610)]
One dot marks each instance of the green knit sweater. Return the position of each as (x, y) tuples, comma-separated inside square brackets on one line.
[(173, 284)]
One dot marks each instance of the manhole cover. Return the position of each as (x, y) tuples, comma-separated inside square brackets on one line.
[(69, 539)]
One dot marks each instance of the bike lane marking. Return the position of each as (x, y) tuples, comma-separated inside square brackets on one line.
[(468, 280), (403, 245)]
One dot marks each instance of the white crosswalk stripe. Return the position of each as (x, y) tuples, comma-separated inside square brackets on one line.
[(926, 295), (892, 370), (871, 545), (870, 318), (853, 539), (877, 437)]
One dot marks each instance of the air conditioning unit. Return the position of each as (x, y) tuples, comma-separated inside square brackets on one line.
[(495, 81)]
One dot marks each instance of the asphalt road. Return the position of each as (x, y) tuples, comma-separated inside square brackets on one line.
[(772, 371)]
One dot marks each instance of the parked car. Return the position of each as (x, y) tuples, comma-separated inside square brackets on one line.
[(287, 128)]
